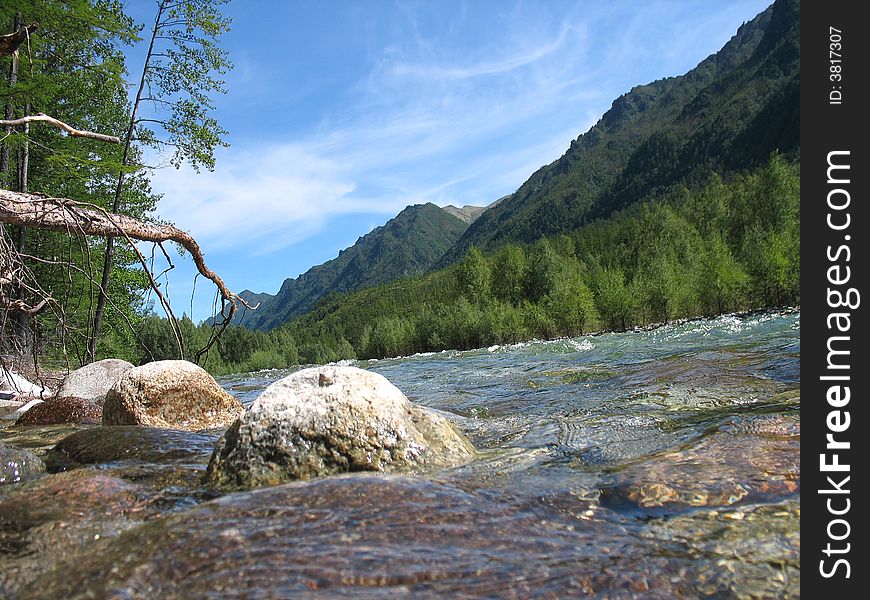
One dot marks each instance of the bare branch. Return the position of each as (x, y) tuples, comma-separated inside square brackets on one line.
[(60, 125)]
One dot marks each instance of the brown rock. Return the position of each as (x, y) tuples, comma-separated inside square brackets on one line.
[(173, 394), (55, 411)]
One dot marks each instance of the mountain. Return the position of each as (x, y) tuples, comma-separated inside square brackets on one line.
[(409, 244), (726, 115), (467, 213)]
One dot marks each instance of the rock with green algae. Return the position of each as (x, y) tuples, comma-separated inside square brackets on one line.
[(328, 420)]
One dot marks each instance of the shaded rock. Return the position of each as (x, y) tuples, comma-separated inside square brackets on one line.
[(109, 444), (22, 407), (18, 465), (169, 393), (55, 411), (371, 536), (94, 381), (328, 420)]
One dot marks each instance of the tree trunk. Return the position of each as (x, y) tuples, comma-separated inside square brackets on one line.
[(116, 205), (13, 77)]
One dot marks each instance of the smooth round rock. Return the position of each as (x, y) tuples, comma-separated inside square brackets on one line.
[(109, 444), (173, 394), (94, 381), (332, 419)]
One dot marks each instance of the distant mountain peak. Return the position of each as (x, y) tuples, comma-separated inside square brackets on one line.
[(408, 244), (467, 213)]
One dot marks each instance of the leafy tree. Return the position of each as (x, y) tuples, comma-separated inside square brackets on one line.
[(181, 70), (473, 276), (614, 299), (509, 274)]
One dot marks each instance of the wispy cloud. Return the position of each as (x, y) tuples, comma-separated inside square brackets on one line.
[(425, 118)]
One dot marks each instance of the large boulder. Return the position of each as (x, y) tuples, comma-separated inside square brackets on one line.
[(173, 394), (55, 411), (93, 381), (332, 419)]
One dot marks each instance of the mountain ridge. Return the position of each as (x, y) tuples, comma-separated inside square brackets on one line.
[(727, 114), (408, 244)]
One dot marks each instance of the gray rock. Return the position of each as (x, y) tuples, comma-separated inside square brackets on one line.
[(327, 420), (174, 394), (93, 381), (17, 465)]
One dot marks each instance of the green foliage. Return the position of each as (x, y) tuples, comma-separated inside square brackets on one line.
[(473, 276)]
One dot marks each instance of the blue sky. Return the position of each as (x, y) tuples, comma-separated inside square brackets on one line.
[(341, 113)]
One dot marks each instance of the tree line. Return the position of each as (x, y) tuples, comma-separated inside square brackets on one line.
[(726, 246)]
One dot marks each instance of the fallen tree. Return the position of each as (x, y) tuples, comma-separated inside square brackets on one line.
[(79, 218)]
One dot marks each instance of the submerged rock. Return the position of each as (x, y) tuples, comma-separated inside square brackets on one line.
[(327, 420), (19, 465), (55, 411), (94, 381), (372, 536), (58, 520), (175, 394), (109, 444), (755, 457)]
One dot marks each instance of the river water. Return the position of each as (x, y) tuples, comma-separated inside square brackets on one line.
[(656, 464)]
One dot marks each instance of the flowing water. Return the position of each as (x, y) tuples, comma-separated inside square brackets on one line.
[(658, 464)]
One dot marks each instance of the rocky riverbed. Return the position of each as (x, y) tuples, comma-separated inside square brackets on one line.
[(656, 464)]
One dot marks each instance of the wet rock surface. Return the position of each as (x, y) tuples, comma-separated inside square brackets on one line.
[(55, 411), (363, 536), (61, 518), (328, 420), (18, 465), (170, 393), (93, 381), (132, 443)]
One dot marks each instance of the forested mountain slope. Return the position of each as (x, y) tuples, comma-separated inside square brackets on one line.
[(726, 115)]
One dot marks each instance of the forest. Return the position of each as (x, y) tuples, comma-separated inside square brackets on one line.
[(82, 131)]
